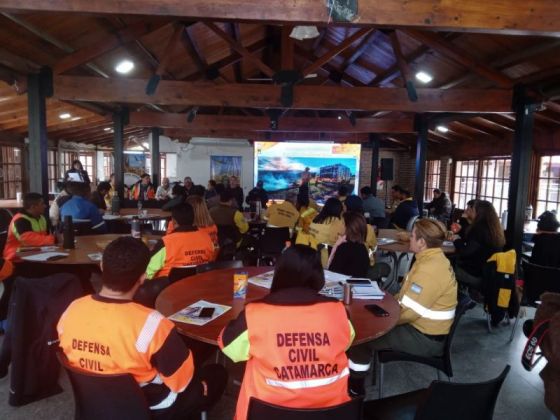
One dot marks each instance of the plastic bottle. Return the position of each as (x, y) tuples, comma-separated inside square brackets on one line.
[(115, 204), (139, 207), (347, 297), (136, 228), (504, 219), (68, 233)]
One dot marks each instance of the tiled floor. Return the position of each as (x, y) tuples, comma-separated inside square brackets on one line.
[(477, 356)]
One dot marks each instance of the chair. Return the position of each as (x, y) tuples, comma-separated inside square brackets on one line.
[(272, 242), (105, 396), (228, 236), (380, 222), (410, 223), (440, 401), (442, 363), (178, 273), (347, 411), (218, 265)]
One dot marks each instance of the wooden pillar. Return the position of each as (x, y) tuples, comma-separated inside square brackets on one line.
[(120, 119), (421, 127), (154, 151), (39, 87), (524, 108), (374, 140)]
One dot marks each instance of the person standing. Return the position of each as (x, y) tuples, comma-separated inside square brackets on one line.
[(164, 190), (294, 319), (77, 173), (107, 334), (255, 195), (143, 189), (236, 191)]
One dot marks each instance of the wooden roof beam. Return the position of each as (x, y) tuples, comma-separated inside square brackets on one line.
[(123, 90), (359, 50), (235, 34), (460, 56)]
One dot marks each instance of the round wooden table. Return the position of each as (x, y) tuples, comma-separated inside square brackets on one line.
[(128, 214), (217, 287), (84, 245)]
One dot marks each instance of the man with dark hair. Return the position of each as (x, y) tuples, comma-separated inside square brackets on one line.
[(257, 194), (227, 214), (373, 206), (28, 227), (143, 189), (406, 209), (107, 333), (186, 245), (98, 196), (236, 191), (81, 209), (342, 192)]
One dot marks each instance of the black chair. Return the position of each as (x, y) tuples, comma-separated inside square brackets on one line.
[(442, 363), (218, 265), (272, 242), (228, 236), (380, 222), (440, 401), (350, 410), (105, 396), (178, 273)]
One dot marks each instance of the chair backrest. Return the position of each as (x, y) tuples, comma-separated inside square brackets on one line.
[(227, 235), (350, 410), (218, 265), (457, 401), (539, 279), (105, 396), (459, 312), (274, 240), (178, 273), (410, 223)]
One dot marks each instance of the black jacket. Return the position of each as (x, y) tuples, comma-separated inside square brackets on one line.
[(83, 174), (474, 250), (404, 212), (546, 250), (350, 258)]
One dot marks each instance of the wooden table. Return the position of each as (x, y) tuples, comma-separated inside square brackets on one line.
[(153, 214), (79, 255), (217, 287), (11, 204)]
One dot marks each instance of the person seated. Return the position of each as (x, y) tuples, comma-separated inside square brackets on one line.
[(396, 198), (179, 197), (350, 255), (81, 209), (484, 237), (107, 333), (213, 199), (284, 214), (186, 245), (98, 196), (77, 173), (111, 192), (342, 192), (461, 226), (355, 203), (143, 189), (164, 190), (294, 340), (198, 190), (428, 298), (306, 212), (547, 241), (28, 228), (440, 206), (188, 184), (373, 206), (227, 214), (202, 219), (328, 225), (61, 198), (257, 194), (407, 209)]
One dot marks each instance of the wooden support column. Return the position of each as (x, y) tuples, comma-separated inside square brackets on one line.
[(120, 119), (524, 109), (374, 140), (154, 152), (421, 126), (39, 87)]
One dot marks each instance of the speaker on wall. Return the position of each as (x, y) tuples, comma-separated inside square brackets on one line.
[(387, 169)]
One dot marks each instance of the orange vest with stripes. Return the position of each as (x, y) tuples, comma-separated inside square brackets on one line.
[(186, 248), (293, 363)]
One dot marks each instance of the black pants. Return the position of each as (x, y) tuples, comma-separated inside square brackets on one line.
[(197, 397)]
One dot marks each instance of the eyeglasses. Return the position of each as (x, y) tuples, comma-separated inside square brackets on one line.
[(533, 342)]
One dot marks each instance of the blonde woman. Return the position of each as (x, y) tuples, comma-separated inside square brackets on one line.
[(202, 219)]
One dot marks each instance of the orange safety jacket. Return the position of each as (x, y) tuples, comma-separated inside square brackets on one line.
[(294, 341), (150, 193), (26, 230), (111, 336)]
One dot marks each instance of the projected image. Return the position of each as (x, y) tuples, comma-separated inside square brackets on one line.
[(326, 166)]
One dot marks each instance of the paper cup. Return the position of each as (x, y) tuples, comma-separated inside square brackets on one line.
[(240, 282)]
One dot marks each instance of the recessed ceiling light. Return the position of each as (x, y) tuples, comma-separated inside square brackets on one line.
[(442, 129), (339, 117), (64, 116), (424, 77), (124, 66)]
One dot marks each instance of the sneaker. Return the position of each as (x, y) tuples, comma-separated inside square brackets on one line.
[(466, 302)]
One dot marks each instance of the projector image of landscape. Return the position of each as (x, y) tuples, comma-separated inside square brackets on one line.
[(282, 174)]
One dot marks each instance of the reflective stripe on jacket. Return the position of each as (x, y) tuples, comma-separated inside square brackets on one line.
[(428, 296), (26, 230)]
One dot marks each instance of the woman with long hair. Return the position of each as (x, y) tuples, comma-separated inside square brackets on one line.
[(202, 219), (294, 320), (350, 255), (328, 225), (484, 237)]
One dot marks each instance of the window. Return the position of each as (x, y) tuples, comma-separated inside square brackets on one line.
[(88, 162), (108, 165), (162, 163), (548, 197), (66, 159), (432, 178), (52, 171), (466, 182), (10, 171), (494, 182)]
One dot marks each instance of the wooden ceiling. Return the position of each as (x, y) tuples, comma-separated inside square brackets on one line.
[(218, 67)]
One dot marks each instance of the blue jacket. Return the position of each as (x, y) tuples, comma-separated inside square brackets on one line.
[(404, 212), (81, 209)]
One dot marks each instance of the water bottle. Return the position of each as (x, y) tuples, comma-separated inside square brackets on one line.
[(115, 204), (136, 228), (68, 233), (139, 207)]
